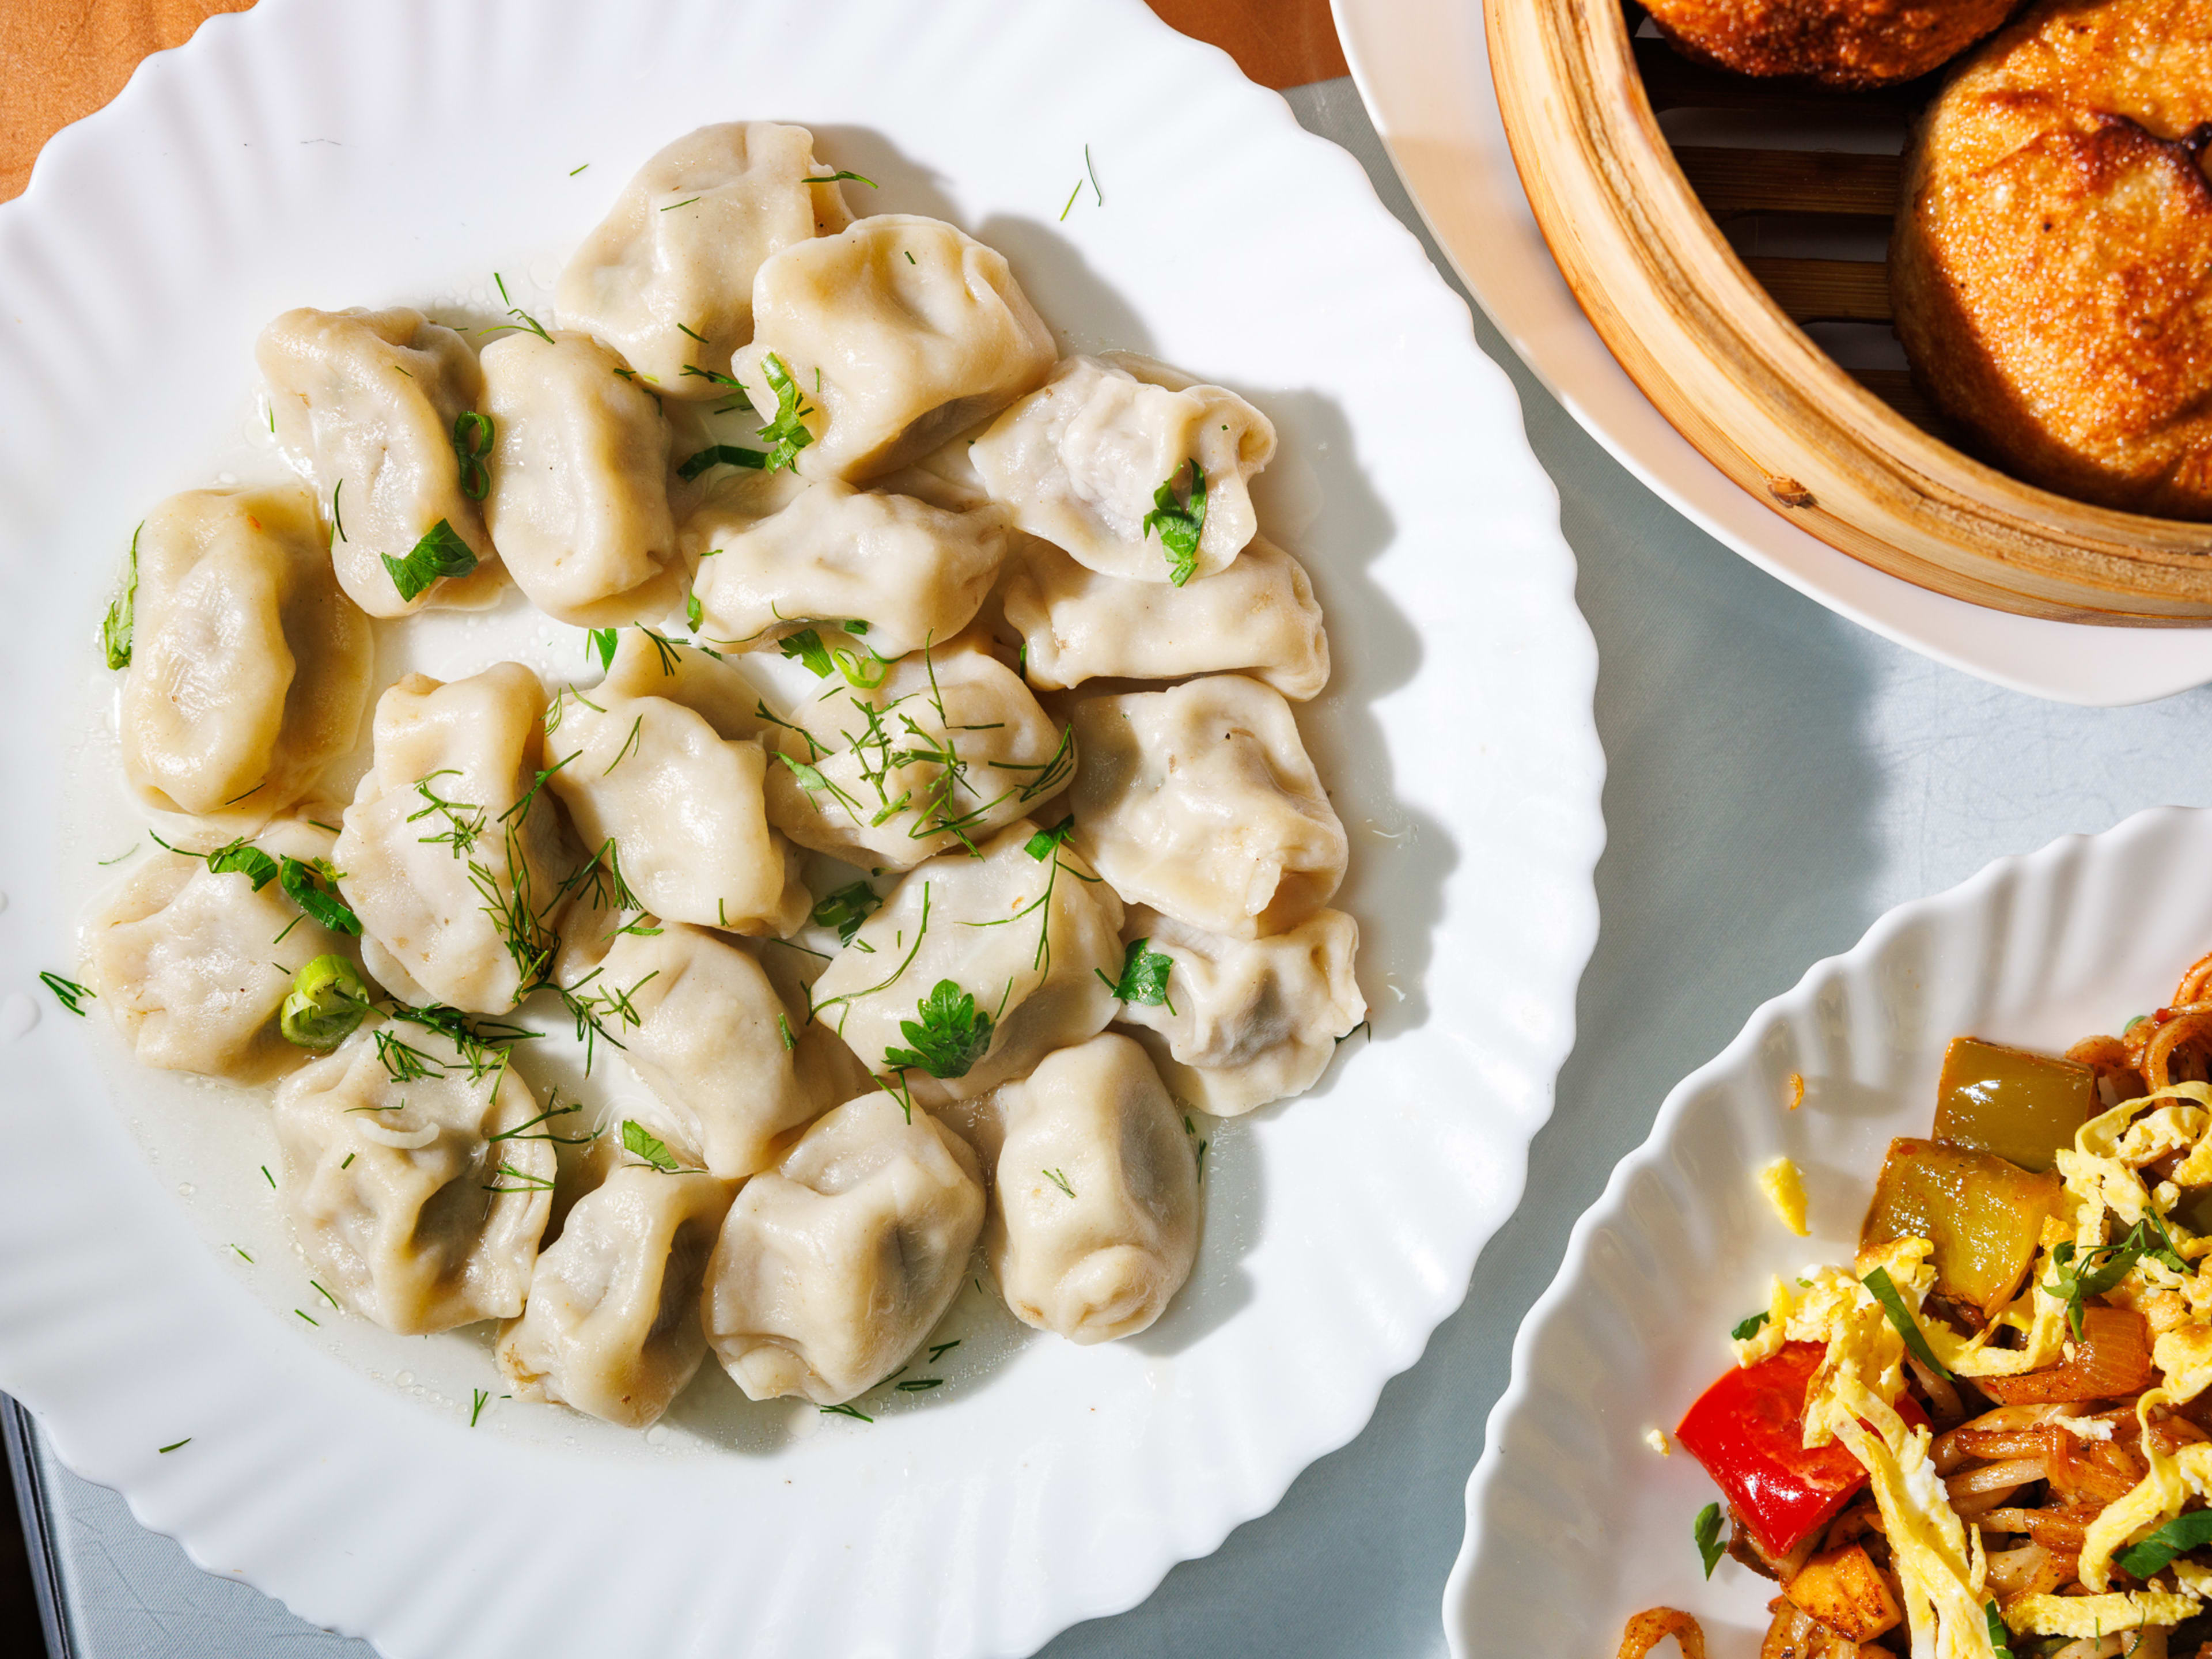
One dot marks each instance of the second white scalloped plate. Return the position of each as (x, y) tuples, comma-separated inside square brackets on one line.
[(310, 152), (1574, 1523)]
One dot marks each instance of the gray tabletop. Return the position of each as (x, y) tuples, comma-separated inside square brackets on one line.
[(1779, 778)]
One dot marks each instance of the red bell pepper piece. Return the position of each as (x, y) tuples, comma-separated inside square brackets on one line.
[(1748, 1431)]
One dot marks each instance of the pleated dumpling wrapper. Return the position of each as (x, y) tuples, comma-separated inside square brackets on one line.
[(451, 853), (1094, 1210), (832, 1268), (1201, 802), (578, 491), (1130, 467), (871, 347), (976, 968), (612, 1326), (192, 957), (249, 669), (371, 405), (666, 278), (420, 1202)]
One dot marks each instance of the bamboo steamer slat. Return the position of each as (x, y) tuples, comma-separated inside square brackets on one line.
[(1713, 339)]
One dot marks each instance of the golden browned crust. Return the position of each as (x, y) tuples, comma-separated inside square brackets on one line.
[(1845, 43), (2051, 269)]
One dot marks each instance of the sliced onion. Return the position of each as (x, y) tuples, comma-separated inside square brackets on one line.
[(2112, 1360), (1996, 1477)]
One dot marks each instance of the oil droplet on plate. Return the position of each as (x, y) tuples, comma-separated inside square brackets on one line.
[(405, 1379)]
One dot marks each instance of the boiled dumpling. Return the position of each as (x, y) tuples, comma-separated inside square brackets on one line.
[(710, 1038), (829, 1072), (833, 1267), (1081, 462), (367, 403), (612, 1323), (1244, 1022), (997, 960), (1200, 801), (910, 573), (250, 670), (887, 339), (411, 1212), (684, 805), (1094, 1214), (1258, 617), (455, 877), (666, 279), (190, 965), (948, 746), (578, 467)]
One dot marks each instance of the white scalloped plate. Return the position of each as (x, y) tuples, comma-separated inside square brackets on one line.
[(1424, 70), (1574, 1523), (316, 153)]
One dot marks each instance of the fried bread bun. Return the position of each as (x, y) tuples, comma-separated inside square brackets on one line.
[(2051, 267), (1845, 43)]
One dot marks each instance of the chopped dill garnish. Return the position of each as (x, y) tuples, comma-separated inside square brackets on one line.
[(68, 992), (465, 821), (534, 1128), (173, 1445), (1058, 1179), (404, 1062), (483, 1397), (846, 1411), (520, 811), (593, 1011), (630, 743), (529, 1182)]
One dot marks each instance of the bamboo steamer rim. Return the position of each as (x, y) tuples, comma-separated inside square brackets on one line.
[(1751, 390)]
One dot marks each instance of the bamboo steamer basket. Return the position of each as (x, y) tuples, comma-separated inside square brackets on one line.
[(1719, 338)]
